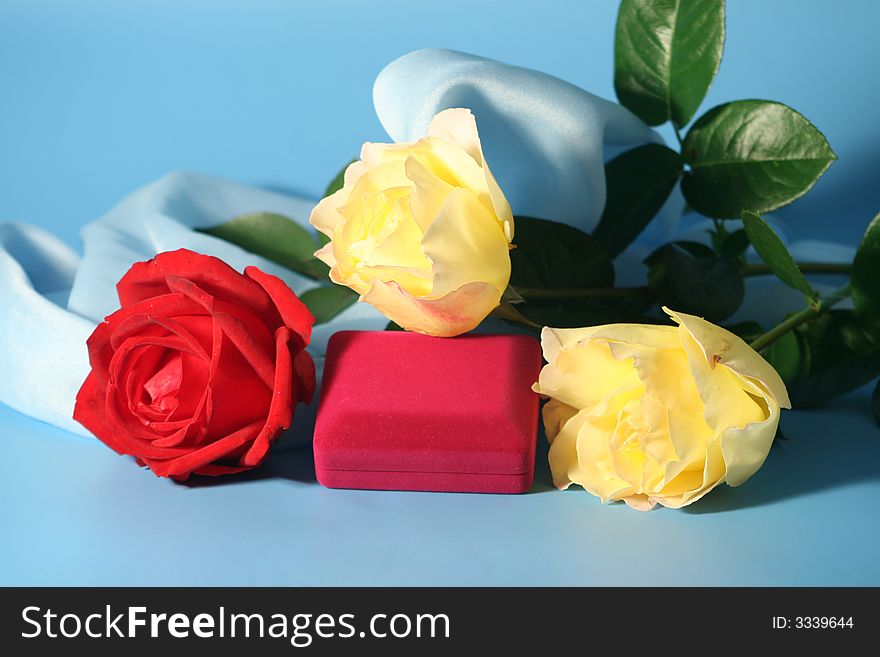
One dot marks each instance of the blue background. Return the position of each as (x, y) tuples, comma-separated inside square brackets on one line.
[(98, 98)]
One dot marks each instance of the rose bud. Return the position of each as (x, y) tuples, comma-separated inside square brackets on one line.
[(656, 414), (421, 230), (199, 370)]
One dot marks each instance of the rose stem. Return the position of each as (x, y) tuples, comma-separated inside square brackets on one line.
[(619, 292), (810, 312)]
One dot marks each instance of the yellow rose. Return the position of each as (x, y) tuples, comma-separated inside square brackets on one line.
[(422, 230), (656, 414)]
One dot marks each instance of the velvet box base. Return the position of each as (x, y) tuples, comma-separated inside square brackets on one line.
[(402, 411), (436, 482)]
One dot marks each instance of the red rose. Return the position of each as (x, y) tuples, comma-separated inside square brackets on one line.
[(199, 370)]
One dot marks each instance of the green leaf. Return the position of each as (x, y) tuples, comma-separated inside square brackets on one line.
[(551, 255), (338, 181), (733, 245), (844, 352), (694, 281), (584, 312), (866, 273), (774, 253), (637, 182), (696, 249), (790, 356), (875, 402), (751, 155), (509, 312), (666, 54), (276, 238), (328, 301)]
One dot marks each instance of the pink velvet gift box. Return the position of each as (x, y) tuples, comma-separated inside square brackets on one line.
[(403, 411)]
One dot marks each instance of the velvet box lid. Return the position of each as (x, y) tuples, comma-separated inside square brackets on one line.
[(403, 411)]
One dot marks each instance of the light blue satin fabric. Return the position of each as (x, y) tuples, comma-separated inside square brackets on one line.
[(545, 140), (43, 358)]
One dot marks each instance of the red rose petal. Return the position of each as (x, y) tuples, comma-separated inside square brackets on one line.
[(260, 329), (194, 459), (146, 280), (142, 363), (232, 327), (238, 395), (195, 365), (99, 343), (253, 353), (164, 386), (130, 435), (294, 313), (195, 373), (197, 425), (119, 360), (304, 368), (280, 410), (90, 411)]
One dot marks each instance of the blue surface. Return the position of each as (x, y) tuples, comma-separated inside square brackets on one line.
[(98, 98), (75, 513)]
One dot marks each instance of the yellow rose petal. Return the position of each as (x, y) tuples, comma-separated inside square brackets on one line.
[(465, 244), (422, 230), (455, 313), (458, 126), (657, 415)]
